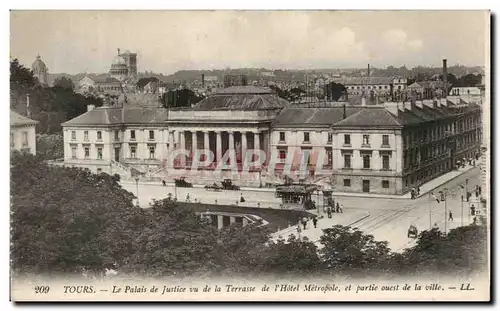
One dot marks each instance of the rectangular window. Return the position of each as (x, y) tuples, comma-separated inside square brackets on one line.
[(385, 140), (25, 138), (132, 134), (133, 152), (347, 182), (99, 135), (282, 154), (347, 161), (385, 184), (385, 162), (347, 139), (73, 152), (282, 136), (99, 153), (366, 140), (87, 152), (73, 135), (306, 136), (151, 135), (85, 135), (117, 135), (330, 157), (152, 152), (330, 137), (366, 161)]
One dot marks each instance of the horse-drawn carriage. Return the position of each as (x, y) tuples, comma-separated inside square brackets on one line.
[(412, 232), (181, 182), (214, 187), (227, 184)]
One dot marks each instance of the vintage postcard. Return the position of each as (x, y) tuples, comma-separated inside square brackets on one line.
[(250, 155)]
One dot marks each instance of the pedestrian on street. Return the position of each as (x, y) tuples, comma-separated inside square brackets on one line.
[(299, 230), (479, 189), (188, 199), (258, 204), (450, 217), (329, 212), (337, 209), (215, 201), (341, 208), (418, 190), (164, 183), (242, 199), (315, 221), (472, 210), (304, 222)]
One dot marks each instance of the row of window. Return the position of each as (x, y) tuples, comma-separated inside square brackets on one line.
[(380, 87), (24, 139), (86, 152), (329, 155), (366, 183), (367, 161), (117, 135), (347, 138)]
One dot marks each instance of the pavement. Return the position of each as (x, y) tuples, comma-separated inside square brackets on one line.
[(424, 188)]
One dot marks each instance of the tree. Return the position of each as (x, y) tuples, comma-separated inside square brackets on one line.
[(174, 241), (181, 98), (334, 91), (55, 227), (295, 256), (347, 249), (64, 83), (20, 76), (50, 146)]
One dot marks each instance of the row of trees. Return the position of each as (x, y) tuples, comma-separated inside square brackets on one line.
[(66, 220), (51, 106)]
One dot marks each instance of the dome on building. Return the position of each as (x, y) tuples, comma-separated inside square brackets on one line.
[(39, 66), (119, 61)]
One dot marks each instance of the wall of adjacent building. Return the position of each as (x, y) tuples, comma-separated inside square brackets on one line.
[(23, 138)]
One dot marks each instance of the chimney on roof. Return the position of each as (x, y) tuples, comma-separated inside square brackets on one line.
[(28, 109), (445, 77)]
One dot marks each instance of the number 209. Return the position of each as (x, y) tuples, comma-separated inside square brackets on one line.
[(42, 289)]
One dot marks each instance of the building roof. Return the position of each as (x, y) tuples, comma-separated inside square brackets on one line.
[(17, 119), (312, 117), (119, 115), (243, 98), (375, 116), (365, 80), (105, 80)]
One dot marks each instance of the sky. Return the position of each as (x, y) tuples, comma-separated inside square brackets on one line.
[(166, 41)]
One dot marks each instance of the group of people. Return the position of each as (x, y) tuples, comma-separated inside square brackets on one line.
[(415, 192), (334, 209), (304, 220)]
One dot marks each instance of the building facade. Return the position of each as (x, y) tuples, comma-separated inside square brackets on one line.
[(387, 148), (22, 133)]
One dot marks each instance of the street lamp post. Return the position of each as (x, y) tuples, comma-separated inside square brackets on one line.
[(445, 190), (137, 189)]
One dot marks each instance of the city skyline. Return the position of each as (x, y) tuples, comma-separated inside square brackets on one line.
[(87, 41)]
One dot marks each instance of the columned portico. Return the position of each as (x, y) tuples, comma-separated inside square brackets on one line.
[(244, 146), (194, 139), (231, 141)]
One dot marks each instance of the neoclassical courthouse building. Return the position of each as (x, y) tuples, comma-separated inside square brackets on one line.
[(386, 148)]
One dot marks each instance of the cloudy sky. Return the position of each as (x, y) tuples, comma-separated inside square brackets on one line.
[(166, 41)]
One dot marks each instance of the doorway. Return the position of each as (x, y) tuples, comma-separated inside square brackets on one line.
[(117, 154), (366, 186)]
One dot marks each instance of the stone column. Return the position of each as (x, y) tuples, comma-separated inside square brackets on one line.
[(194, 147), (220, 221), (256, 139), (218, 148), (206, 143), (182, 139), (231, 142), (244, 146)]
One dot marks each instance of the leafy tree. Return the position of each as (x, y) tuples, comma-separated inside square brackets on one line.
[(50, 146), (295, 256), (64, 83), (174, 241), (348, 249), (334, 91), (20, 76), (55, 227)]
